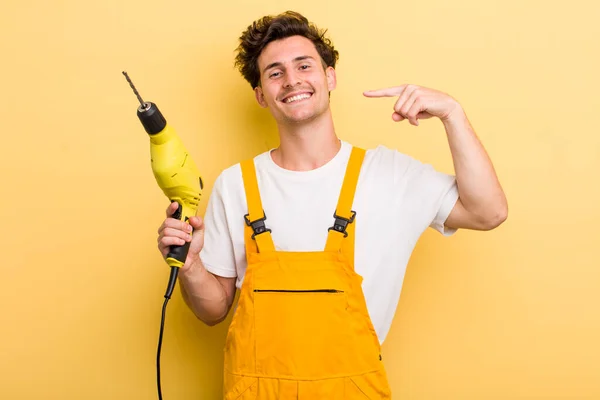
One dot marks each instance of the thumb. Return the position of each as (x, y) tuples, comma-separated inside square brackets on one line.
[(196, 222), (197, 242)]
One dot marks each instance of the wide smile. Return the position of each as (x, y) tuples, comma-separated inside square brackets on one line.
[(297, 98)]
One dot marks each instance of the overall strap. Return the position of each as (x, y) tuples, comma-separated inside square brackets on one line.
[(341, 234), (256, 235)]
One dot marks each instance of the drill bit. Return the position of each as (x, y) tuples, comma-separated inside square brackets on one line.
[(135, 90)]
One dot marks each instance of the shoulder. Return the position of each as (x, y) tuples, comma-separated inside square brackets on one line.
[(384, 164), (382, 160), (384, 155), (230, 179)]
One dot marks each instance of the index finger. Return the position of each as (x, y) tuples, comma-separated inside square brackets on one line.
[(172, 208), (387, 92)]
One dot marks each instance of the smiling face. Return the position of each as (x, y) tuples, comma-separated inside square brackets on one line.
[(294, 84)]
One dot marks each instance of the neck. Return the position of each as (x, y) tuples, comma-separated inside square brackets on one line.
[(307, 145)]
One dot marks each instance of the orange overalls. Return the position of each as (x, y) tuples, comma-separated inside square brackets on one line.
[(301, 329)]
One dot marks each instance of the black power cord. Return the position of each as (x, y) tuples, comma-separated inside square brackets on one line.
[(169, 292)]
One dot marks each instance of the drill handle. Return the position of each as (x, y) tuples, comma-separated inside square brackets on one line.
[(178, 253)]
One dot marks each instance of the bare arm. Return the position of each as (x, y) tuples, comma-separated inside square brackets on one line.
[(208, 296), (482, 204)]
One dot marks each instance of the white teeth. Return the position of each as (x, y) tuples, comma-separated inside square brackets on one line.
[(297, 97)]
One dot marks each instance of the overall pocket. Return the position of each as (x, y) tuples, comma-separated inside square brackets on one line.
[(373, 386), (302, 333), (240, 387)]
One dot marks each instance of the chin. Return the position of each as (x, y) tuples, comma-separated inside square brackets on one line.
[(304, 115), (297, 119)]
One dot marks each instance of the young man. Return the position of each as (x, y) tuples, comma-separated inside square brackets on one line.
[(316, 234)]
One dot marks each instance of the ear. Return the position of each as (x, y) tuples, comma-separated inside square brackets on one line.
[(260, 97), (331, 78)]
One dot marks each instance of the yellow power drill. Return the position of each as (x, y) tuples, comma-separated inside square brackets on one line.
[(179, 179)]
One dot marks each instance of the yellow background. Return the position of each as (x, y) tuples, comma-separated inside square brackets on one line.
[(508, 314)]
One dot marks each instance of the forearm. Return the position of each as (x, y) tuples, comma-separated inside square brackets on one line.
[(204, 294), (479, 189)]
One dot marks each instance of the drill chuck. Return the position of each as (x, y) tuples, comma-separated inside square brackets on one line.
[(151, 118), (148, 113)]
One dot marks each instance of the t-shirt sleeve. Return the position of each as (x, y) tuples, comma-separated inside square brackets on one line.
[(430, 191), (447, 203), (217, 254)]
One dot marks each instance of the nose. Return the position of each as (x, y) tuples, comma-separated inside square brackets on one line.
[(291, 79)]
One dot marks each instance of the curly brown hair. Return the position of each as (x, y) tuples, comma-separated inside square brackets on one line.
[(270, 28)]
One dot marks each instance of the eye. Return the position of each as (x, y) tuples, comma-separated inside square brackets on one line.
[(275, 74), (304, 66)]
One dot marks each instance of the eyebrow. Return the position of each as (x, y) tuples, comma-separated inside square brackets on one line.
[(279, 64)]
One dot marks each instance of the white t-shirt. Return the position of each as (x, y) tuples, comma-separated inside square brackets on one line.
[(397, 198)]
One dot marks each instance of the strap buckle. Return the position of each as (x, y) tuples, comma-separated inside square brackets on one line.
[(341, 223), (258, 226)]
